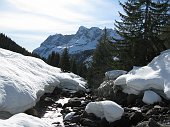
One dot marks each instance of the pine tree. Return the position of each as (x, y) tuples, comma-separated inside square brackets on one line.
[(140, 28), (166, 35), (53, 59), (73, 66), (65, 61), (102, 60), (103, 55), (82, 70)]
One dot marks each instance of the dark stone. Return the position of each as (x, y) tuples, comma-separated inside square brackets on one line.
[(57, 91), (32, 112), (73, 102), (118, 96), (76, 109), (131, 99), (79, 112), (56, 123), (92, 116), (84, 114), (138, 102), (136, 117), (165, 110), (66, 123), (94, 97), (65, 110), (153, 123), (123, 122), (88, 97), (73, 125), (104, 123), (150, 112), (79, 94), (59, 105), (75, 119), (88, 122), (105, 89), (48, 101), (144, 109), (143, 124), (65, 94)]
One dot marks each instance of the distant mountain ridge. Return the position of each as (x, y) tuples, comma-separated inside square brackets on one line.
[(84, 41)]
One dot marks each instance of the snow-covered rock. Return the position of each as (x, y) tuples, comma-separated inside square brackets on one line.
[(69, 116), (156, 75), (105, 109), (23, 120), (151, 97), (111, 75), (24, 79), (85, 39)]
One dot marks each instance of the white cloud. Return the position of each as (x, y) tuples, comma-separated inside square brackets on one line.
[(56, 16)]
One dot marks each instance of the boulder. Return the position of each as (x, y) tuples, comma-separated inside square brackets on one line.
[(73, 102), (69, 116), (105, 109), (112, 92), (153, 123), (106, 89), (88, 122)]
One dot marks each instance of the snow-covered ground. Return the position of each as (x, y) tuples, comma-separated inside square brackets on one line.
[(105, 109), (24, 79), (23, 120), (155, 76)]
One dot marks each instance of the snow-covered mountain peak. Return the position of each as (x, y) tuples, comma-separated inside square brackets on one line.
[(82, 28), (85, 39), (82, 31)]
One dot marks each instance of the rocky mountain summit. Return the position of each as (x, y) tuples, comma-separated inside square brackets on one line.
[(83, 42)]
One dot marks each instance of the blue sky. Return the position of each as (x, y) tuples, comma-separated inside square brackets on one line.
[(30, 22)]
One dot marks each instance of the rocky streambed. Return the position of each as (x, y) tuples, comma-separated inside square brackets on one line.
[(65, 109)]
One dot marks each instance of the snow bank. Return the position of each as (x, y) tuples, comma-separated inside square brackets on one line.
[(105, 109), (24, 79), (114, 74), (156, 75), (23, 120), (151, 97)]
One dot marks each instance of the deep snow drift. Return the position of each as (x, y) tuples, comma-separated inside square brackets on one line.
[(155, 76), (23, 120), (24, 79), (105, 109)]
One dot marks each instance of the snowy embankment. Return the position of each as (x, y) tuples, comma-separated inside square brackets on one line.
[(155, 76), (23, 120), (24, 79)]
